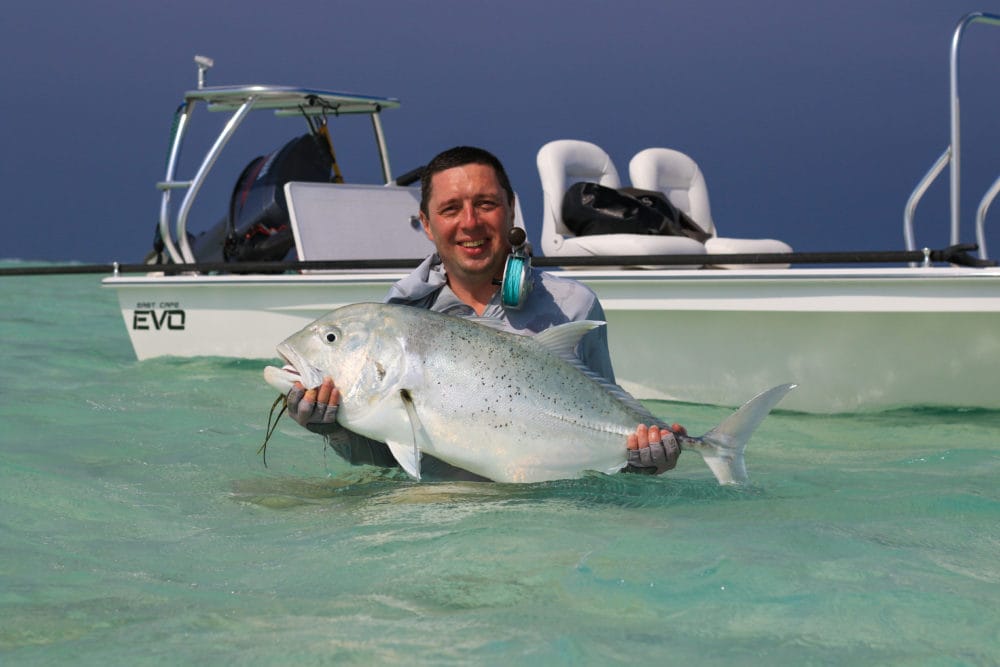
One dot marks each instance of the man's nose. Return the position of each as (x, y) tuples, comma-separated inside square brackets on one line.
[(469, 215)]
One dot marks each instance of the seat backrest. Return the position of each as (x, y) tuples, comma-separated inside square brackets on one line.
[(562, 163), (678, 177), (338, 221)]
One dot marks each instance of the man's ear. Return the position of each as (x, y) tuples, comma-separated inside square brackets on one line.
[(425, 223)]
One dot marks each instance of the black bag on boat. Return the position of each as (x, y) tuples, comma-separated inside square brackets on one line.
[(590, 208), (675, 221)]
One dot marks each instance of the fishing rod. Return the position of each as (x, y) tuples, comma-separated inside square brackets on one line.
[(956, 254)]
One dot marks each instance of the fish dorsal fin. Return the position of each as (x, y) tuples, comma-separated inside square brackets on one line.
[(408, 455), (625, 398), (561, 340)]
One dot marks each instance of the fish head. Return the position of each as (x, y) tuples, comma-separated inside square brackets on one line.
[(360, 347)]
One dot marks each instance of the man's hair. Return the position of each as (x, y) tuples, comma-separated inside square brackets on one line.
[(459, 156)]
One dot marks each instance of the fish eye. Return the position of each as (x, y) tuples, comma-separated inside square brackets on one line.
[(331, 337)]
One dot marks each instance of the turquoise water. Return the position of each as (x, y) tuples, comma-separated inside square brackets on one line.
[(139, 526)]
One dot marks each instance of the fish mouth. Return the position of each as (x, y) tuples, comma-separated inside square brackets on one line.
[(295, 370), (282, 379)]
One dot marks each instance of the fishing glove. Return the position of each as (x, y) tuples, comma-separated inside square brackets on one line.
[(317, 417), (657, 458)]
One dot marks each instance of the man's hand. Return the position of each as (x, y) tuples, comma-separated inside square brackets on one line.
[(315, 409), (653, 450)]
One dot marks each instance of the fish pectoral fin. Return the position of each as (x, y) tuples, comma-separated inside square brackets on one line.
[(408, 457)]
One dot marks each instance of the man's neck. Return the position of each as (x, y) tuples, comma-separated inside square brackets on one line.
[(476, 296)]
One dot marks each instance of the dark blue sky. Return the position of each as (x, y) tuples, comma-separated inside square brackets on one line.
[(812, 121)]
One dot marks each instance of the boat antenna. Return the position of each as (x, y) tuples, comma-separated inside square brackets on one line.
[(204, 64)]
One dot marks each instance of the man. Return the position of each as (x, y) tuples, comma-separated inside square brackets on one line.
[(467, 210)]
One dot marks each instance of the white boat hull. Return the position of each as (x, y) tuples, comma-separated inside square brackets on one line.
[(853, 339)]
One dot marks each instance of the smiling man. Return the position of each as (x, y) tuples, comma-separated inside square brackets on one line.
[(467, 210), (467, 213)]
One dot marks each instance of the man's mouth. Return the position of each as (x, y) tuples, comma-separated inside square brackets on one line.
[(472, 244)]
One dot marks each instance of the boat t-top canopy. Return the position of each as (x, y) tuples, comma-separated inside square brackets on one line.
[(289, 100), (240, 101)]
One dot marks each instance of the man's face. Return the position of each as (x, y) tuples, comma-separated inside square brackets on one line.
[(468, 219)]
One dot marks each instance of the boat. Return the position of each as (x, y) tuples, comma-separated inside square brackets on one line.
[(711, 322)]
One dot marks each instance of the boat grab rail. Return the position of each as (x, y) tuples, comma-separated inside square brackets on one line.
[(952, 154), (984, 206), (176, 134)]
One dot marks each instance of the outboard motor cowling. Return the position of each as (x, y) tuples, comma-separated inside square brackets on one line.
[(258, 227)]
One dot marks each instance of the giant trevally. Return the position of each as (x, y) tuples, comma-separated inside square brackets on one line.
[(508, 407)]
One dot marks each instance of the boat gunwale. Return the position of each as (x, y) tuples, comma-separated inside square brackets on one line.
[(922, 274)]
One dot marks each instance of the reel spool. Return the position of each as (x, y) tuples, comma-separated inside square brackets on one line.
[(516, 283)]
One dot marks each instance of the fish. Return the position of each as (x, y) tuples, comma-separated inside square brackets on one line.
[(506, 406)]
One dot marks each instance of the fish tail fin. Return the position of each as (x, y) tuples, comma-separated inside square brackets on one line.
[(723, 446)]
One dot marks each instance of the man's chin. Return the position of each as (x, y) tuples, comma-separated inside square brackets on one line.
[(480, 268)]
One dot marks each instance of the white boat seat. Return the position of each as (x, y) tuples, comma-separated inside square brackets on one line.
[(678, 177), (567, 161)]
